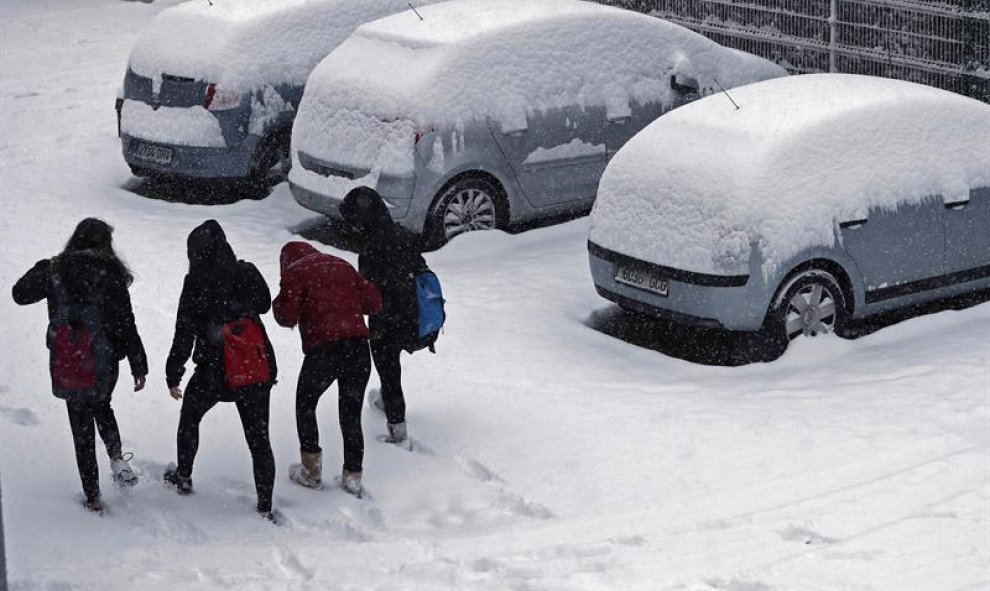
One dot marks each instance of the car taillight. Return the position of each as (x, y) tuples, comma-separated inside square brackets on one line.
[(218, 99), (421, 133)]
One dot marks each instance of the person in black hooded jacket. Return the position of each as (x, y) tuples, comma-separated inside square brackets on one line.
[(390, 258), (219, 289), (89, 268)]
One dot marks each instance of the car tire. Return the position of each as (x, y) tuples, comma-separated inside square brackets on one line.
[(466, 205), (808, 303)]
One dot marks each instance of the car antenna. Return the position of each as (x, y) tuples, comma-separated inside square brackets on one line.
[(414, 10), (727, 95)]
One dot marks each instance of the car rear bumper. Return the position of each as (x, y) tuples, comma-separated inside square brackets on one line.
[(730, 302), (191, 161), (321, 187)]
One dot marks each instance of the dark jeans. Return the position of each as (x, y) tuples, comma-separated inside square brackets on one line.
[(253, 407), (386, 356), (82, 417), (348, 361)]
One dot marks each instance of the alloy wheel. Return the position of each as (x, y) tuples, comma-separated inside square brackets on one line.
[(467, 210), (810, 311)]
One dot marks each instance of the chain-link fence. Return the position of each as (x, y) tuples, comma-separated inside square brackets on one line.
[(936, 43)]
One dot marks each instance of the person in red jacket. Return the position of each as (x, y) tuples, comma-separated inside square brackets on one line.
[(327, 299)]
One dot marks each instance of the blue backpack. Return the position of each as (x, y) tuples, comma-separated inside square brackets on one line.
[(431, 311)]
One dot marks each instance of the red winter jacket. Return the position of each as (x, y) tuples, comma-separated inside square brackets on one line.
[(324, 295)]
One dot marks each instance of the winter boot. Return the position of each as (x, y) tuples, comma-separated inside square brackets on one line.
[(122, 473), (351, 483), (375, 399), (182, 484), (94, 504), (397, 435), (309, 472)]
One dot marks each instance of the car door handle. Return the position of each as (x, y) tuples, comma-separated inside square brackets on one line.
[(853, 224), (957, 205), (620, 120)]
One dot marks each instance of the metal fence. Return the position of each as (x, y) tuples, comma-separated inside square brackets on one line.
[(936, 43)]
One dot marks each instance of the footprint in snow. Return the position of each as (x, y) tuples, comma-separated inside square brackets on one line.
[(805, 535), (477, 470), (19, 416)]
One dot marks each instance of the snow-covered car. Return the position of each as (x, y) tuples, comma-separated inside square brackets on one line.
[(822, 198), (474, 113), (211, 89)]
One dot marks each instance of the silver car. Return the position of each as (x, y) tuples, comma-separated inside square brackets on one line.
[(480, 114), (824, 198)]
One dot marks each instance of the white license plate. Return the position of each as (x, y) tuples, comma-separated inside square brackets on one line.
[(157, 154), (642, 279)]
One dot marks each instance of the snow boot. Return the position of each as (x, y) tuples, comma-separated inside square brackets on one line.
[(397, 435), (94, 504), (182, 484), (375, 399), (122, 473), (351, 483), (309, 472)]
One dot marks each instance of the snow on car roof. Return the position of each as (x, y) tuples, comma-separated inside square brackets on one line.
[(456, 22), (473, 58), (244, 44), (800, 154), (501, 59)]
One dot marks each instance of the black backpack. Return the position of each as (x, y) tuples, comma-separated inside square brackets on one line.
[(79, 352)]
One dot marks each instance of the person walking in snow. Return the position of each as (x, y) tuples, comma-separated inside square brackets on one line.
[(390, 258), (327, 299), (219, 324), (91, 329)]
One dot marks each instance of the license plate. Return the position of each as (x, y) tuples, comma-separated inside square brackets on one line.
[(642, 279), (156, 154)]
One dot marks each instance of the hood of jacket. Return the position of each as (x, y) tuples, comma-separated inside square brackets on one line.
[(293, 252), (365, 209), (208, 249)]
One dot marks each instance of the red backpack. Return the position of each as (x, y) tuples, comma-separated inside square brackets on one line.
[(245, 354), (79, 353)]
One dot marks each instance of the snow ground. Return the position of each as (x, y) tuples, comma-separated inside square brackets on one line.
[(551, 455)]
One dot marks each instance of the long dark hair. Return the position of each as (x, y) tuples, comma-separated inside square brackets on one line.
[(95, 235)]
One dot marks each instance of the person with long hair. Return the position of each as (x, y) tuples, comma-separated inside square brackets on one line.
[(90, 318), (219, 324)]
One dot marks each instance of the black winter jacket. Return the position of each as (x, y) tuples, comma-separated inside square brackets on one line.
[(209, 300), (81, 272), (390, 258)]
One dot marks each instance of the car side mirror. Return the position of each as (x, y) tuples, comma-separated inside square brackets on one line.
[(684, 84)]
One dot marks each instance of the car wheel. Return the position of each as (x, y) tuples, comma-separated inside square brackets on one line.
[(467, 205), (811, 303)]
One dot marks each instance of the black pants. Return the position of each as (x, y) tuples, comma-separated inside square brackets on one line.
[(386, 355), (253, 407), (347, 361), (83, 415)]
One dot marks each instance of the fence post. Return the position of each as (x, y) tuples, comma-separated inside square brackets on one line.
[(833, 33)]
